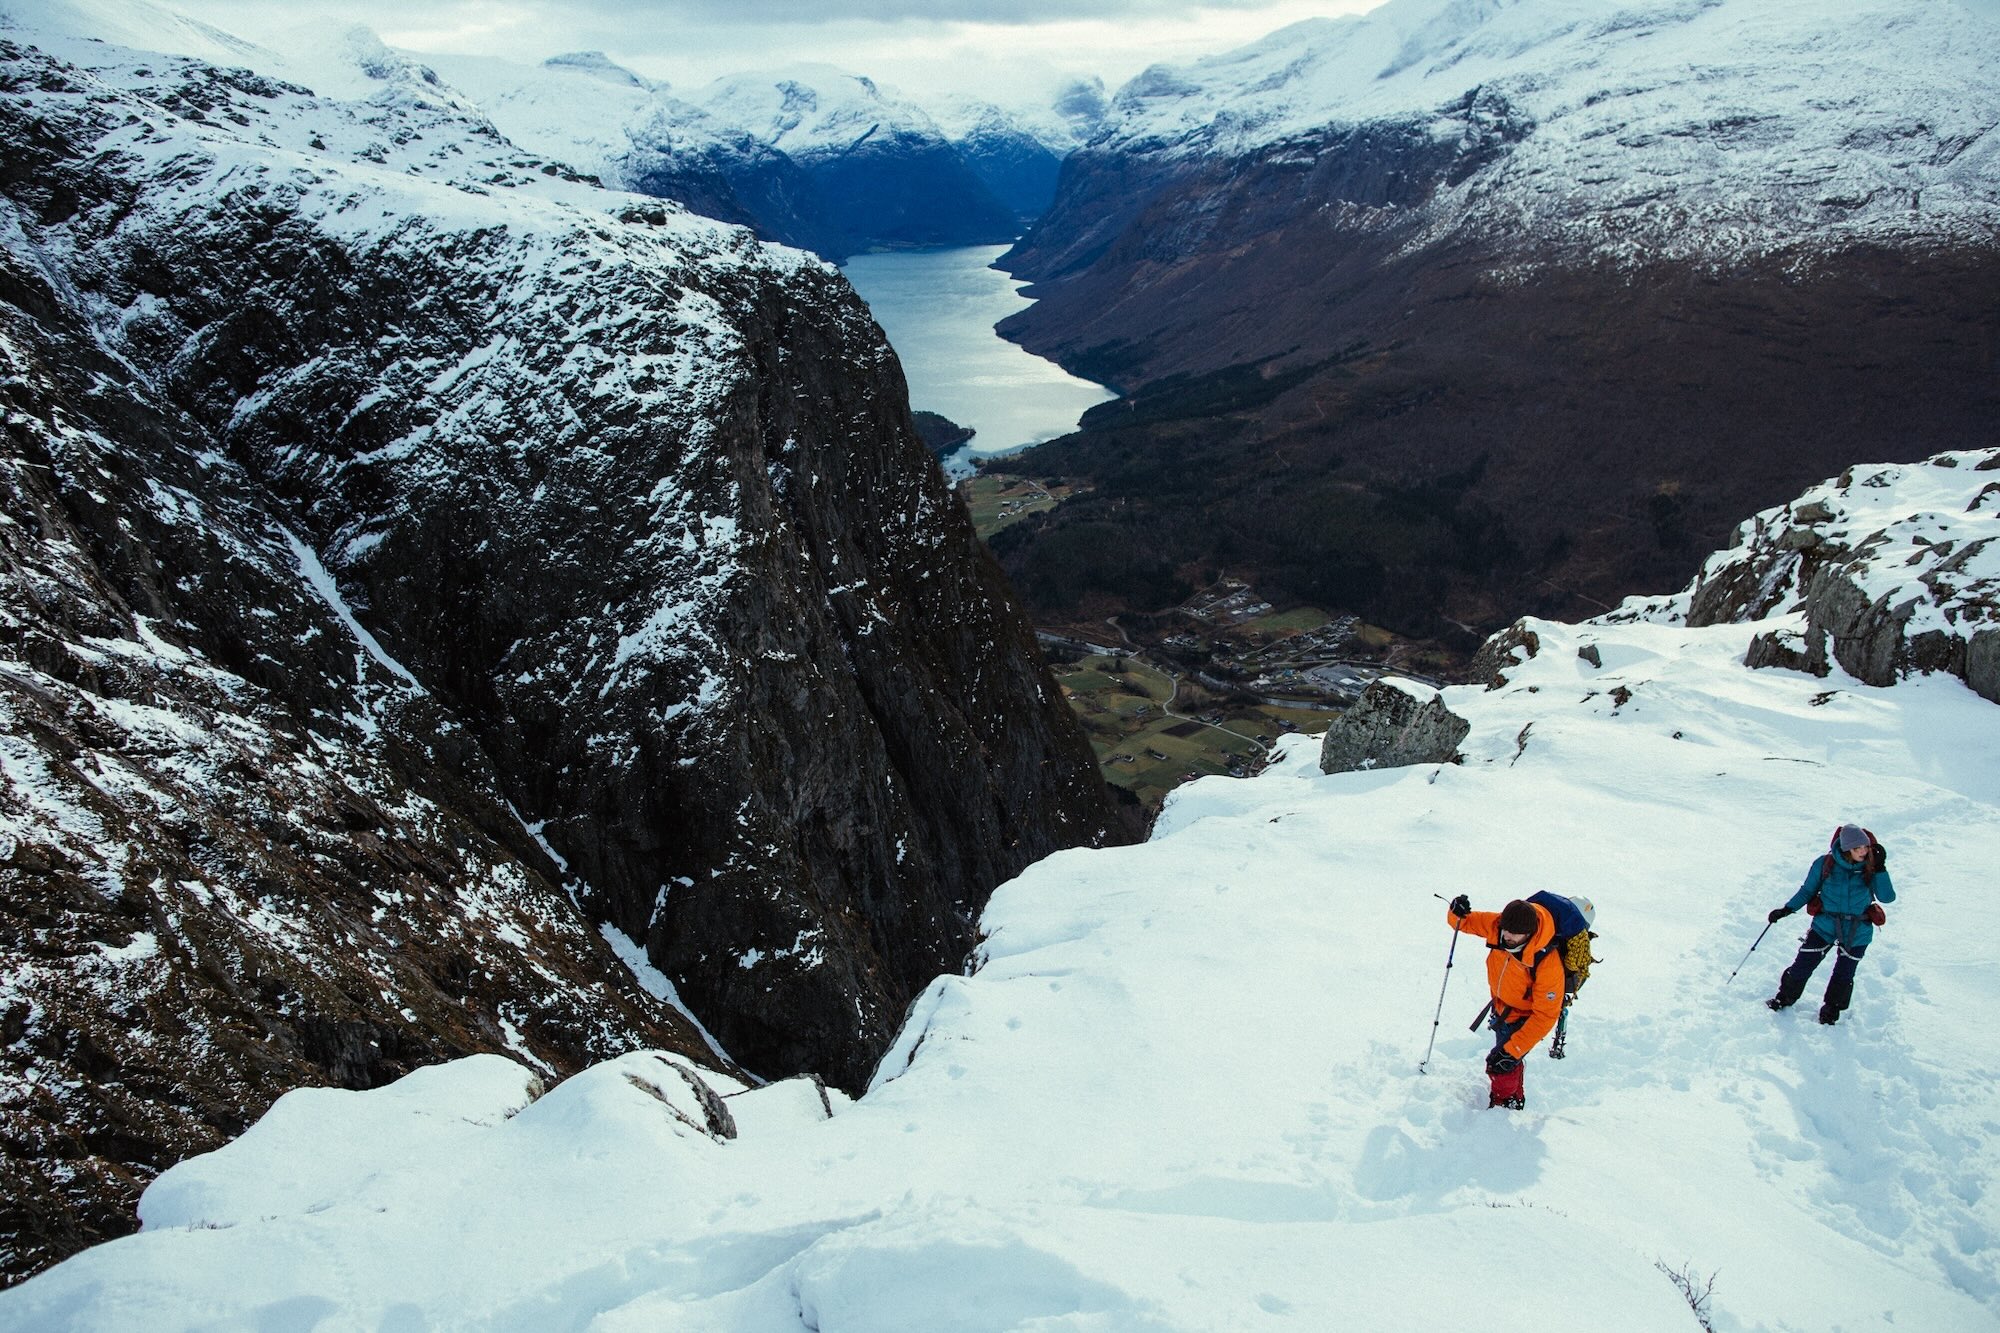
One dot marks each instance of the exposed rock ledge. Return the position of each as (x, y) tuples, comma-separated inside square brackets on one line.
[(1392, 728)]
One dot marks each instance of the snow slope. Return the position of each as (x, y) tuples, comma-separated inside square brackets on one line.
[(570, 109), (1723, 125), (1181, 1089)]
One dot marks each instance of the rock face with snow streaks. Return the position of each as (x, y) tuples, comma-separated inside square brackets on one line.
[(1521, 304), (1895, 571), (428, 574)]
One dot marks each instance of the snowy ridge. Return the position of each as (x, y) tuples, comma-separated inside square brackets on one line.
[(1672, 126), (809, 111), (1180, 1090), (1064, 117), (598, 117)]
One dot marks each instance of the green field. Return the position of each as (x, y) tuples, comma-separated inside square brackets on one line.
[(996, 500), (1123, 713), (1301, 619)]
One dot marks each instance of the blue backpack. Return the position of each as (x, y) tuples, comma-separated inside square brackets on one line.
[(1572, 939)]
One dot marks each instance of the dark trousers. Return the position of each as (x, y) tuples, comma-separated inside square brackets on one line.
[(1839, 987)]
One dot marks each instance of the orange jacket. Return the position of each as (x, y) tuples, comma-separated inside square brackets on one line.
[(1515, 994)]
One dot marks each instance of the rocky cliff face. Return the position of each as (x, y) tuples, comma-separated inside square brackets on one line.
[(1520, 305), (430, 578), (1019, 169)]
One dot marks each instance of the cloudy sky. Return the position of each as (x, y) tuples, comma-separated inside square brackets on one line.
[(920, 45)]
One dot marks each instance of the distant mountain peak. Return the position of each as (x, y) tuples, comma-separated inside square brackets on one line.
[(598, 65)]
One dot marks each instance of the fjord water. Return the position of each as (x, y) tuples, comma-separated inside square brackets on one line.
[(939, 308)]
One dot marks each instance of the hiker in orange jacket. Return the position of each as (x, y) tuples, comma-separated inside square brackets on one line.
[(1526, 979)]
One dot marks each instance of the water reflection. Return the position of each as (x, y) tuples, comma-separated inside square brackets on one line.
[(939, 308)]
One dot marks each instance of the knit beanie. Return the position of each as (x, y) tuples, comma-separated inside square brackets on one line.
[(1851, 836), (1518, 918)]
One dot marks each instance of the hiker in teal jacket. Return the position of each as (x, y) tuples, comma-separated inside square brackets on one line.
[(1850, 879)]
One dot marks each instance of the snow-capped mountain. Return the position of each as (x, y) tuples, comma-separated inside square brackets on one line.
[(1669, 128), (810, 155), (1223, 1080), (1561, 289), (883, 168), (1062, 114), (1018, 152), (633, 133), (455, 608)]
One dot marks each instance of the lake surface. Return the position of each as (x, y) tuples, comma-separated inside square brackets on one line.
[(939, 308)]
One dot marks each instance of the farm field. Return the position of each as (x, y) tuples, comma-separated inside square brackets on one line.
[(1148, 751), (996, 500)]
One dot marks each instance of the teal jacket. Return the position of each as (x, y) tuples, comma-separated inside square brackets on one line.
[(1843, 897)]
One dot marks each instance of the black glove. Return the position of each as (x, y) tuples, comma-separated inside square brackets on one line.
[(1499, 1062), (1461, 906), (1779, 914)]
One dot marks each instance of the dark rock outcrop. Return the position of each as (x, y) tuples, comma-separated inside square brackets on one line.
[(1389, 727), (1501, 652), (940, 434), (428, 574)]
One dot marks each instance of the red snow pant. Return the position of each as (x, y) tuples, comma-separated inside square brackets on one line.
[(1507, 1087)]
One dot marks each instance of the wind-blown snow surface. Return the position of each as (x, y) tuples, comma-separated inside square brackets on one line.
[(1181, 1089)]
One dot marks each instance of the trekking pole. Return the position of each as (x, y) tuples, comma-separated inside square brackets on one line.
[(1753, 949), (1449, 955)]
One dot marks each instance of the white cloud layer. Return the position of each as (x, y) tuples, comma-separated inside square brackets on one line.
[(977, 46)]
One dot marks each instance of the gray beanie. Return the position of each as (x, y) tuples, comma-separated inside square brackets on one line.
[(1851, 836)]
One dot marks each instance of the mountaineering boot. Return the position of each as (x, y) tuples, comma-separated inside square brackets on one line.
[(1776, 1002), (1829, 1015), (1514, 1103)]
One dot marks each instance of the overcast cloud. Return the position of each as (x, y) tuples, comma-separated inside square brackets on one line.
[(923, 46)]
